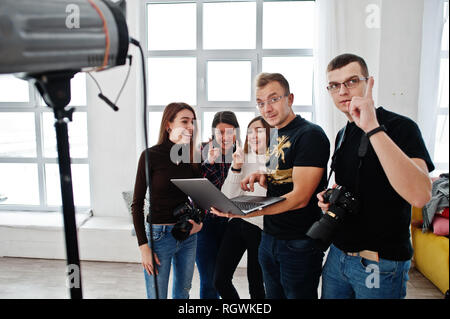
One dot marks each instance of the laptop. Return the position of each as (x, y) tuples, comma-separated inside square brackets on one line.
[(206, 195)]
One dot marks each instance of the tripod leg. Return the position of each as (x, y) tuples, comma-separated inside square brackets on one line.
[(70, 227)]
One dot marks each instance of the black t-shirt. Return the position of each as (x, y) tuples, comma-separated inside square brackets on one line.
[(382, 223), (300, 143)]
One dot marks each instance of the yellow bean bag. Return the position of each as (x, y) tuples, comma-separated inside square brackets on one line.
[(430, 254)]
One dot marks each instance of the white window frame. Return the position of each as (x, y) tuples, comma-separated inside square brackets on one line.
[(203, 56), (37, 106)]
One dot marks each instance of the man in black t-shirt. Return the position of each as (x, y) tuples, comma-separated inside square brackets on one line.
[(296, 170), (371, 251)]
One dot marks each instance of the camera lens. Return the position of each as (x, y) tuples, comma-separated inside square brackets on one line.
[(322, 231), (181, 230), (342, 203)]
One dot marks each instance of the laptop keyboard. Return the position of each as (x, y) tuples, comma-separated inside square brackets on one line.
[(246, 205)]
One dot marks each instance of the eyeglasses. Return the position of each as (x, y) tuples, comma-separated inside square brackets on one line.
[(349, 84), (260, 105)]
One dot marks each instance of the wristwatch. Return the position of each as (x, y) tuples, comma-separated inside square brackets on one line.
[(237, 170), (376, 130)]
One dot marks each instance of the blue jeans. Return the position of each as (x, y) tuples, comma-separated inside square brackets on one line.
[(348, 277), (208, 244), (291, 268), (171, 252)]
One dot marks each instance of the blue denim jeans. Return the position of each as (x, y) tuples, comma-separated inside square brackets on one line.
[(208, 244), (353, 277), (180, 255), (291, 268)]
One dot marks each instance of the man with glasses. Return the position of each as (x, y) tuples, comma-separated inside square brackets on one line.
[(296, 170), (381, 159)]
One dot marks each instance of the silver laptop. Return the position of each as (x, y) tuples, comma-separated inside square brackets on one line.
[(206, 195)]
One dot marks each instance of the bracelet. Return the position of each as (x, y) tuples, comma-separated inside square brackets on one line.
[(376, 130), (238, 170)]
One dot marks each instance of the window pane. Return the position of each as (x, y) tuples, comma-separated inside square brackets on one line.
[(443, 86), (13, 89), (17, 135), (77, 135), (80, 184), (172, 80), (172, 26), (229, 25), (229, 80), (288, 25), (441, 144), (243, 119), (206, 125), (19, 182), (299, 73), (154, 123)]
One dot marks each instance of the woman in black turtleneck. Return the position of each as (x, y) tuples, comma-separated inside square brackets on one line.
[(177, 131)]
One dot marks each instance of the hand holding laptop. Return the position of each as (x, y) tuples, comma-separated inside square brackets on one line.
[(227, 215)]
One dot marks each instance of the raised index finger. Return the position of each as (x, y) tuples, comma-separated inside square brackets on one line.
[(370, 83)]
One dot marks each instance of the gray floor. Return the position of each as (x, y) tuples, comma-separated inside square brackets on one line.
[(42, 278)]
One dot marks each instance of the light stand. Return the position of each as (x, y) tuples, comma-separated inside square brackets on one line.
[(55, 90)]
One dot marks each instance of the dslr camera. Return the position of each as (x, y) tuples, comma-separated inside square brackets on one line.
[(342, 204), (183, 213)]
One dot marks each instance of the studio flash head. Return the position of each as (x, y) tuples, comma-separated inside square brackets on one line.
[(56, 35)]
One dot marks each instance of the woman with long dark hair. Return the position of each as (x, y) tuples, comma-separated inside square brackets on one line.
[(167, 160)]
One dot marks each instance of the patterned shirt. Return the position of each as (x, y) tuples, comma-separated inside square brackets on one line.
[(216, 173)]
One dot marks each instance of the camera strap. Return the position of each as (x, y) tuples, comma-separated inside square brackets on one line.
[(340, 139), (362, 149)]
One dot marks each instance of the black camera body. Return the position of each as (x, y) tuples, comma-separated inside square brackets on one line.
[(183, 213), (342, 204)]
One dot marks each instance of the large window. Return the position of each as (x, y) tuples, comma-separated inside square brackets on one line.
[(207, 54), (29, 173), (441, 142)]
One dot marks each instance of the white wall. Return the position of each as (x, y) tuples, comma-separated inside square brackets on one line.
[(114, 136), (361, 35), (400, 52), (344, 26)]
